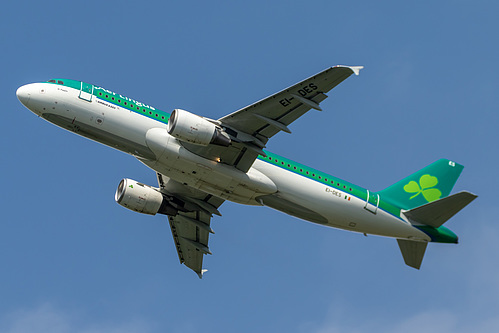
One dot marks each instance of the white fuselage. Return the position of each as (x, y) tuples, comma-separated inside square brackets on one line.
[(264, 184)]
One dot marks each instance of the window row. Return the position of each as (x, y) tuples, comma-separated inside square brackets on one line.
[(308, 173), (131, 105)]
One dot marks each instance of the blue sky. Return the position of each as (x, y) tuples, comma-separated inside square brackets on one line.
[(74, 261)]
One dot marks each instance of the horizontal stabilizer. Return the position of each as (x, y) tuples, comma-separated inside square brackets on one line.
[(438, 212), (412, 251)]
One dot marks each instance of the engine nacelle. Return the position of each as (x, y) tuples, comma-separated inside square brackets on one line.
[(192, 128), (142, 198)]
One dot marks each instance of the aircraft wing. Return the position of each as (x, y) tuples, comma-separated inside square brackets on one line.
[(273, 114), (252, 126), (191, 229)]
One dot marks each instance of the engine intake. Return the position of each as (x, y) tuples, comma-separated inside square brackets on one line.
[(143, 198), (194, 129)]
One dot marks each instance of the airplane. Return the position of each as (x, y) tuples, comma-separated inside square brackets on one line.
[(202, 162)]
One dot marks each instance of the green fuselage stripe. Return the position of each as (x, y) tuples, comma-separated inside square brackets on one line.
[(440, 234), (328, 180), (120, 100), (282, 162), (274, 159)]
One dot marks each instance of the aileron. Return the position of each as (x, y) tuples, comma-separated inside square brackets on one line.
[(191, 229)]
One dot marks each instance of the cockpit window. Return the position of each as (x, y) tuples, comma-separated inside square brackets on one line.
[(56, 81)]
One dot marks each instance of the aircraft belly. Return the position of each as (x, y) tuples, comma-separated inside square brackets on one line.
[(210, 176), (316, 202), (100, 135)]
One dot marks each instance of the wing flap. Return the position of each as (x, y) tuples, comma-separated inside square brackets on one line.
[(289, 104), (191, 229), (191, 239), (251, 127)]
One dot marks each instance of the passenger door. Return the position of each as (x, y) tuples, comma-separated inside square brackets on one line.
[(86, 91)]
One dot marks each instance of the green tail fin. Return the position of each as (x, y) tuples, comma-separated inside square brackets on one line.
[(428, 184)]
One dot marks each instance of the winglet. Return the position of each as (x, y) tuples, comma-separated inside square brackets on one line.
[(200, 274), (355, 69)]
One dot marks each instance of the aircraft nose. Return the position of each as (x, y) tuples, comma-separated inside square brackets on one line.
[(23, 95)]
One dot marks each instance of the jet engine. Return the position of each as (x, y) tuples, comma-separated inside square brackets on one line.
[(194, 129), (143, 198)]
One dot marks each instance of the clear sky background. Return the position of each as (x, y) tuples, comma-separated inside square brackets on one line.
[(72, 260)]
